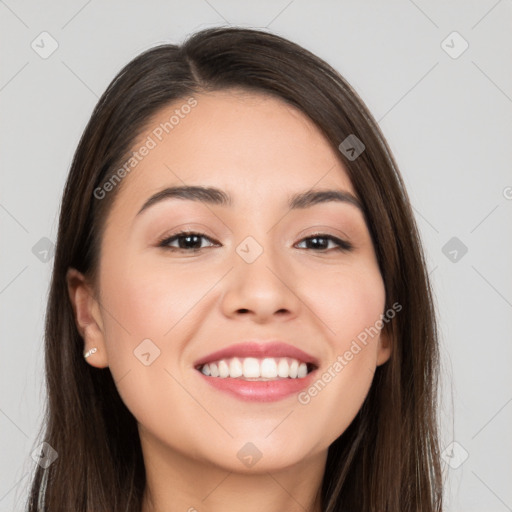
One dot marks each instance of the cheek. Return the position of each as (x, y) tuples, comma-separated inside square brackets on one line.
[(151, 313), (348, 301), (147, 323), (148, 302)]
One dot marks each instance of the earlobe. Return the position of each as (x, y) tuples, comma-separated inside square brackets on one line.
[(87, 317)]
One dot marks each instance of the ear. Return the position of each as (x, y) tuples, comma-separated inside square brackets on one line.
[(385, 346), (87, 315)]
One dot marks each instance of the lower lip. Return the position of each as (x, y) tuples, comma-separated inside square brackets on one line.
[(260, 391)]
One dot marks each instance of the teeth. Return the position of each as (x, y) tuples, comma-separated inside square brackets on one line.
[(251, 368), (294, 366), (283, 368), (302, 371), (223, 369), (214, 370), (235, 368), (269, 368)]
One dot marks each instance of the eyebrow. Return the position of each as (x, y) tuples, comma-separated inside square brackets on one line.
[(215, 196)]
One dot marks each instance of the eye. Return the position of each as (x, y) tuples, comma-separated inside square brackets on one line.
[(191, 241), (320, 241), (188, 241)]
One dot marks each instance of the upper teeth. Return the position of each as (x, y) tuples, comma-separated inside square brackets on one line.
[(253, 368)]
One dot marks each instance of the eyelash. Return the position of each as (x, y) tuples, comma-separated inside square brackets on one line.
[(342, 245)]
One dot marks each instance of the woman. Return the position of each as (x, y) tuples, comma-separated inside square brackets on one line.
[(240, 316)]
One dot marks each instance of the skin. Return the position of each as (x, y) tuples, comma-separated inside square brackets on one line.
[(260, 150)]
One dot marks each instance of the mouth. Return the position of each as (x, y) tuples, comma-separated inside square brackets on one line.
[(252, 371), (257, 369)]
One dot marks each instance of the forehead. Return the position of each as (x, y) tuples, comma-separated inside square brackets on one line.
[(255, 146)]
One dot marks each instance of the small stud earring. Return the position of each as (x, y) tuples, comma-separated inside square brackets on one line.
[(89, 352)]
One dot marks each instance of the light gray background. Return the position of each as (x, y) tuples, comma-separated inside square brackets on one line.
[(448, 121)]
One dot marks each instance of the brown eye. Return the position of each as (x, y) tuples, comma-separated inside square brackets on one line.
[(187, 241), (319, 242)]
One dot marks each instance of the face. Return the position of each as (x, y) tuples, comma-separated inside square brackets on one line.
[(287, 284)]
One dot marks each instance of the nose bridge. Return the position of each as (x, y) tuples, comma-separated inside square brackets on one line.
[(261, 280)]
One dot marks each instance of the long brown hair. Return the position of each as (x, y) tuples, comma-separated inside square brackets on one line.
[(388, 458)]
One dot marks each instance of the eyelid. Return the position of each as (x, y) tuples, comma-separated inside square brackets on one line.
[(187, 227), (321, 229)]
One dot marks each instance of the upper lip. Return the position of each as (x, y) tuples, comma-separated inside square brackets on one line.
[(259, 350)]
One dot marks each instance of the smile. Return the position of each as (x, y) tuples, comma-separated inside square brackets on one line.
[(257, 369)]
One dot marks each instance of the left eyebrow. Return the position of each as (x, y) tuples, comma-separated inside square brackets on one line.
[(312, 197), (216, 196)]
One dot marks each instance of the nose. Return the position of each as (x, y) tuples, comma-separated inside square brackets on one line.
[(262, 291)]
